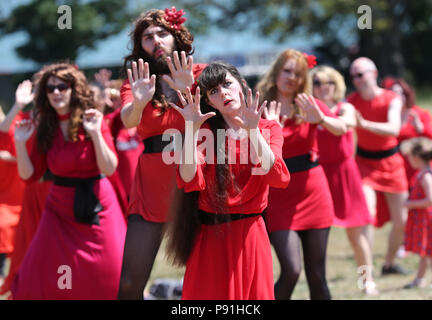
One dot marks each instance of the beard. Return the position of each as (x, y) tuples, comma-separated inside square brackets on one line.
[(158, 65)]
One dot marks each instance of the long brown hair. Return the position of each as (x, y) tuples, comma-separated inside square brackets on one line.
[(182, 39), (46, 117), (185, 223)]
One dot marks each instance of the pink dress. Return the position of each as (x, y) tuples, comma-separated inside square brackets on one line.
[(336, 155), (89, 255)]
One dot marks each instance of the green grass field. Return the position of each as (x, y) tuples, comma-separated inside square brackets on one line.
[(341, 271)]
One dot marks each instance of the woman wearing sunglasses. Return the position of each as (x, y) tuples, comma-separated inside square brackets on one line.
[(336, 157), (77, 250)]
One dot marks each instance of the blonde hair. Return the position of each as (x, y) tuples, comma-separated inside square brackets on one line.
[(267, 85), (326, 73)]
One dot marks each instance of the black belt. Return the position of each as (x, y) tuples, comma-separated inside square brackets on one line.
[(300, 163), (155, 144), (86, 204), (377, 154), (215, 218)]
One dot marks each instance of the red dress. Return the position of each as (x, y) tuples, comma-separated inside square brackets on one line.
[(307, 202), (336, 157), (154, 182), (386, 174), (418, 229), (233, 260), (33, 204), (11, 192), (93, 253)]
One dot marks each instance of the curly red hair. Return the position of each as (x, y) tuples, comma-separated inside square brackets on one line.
[(408, 92)]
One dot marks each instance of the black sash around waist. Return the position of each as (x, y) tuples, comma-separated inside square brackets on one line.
[(86, 204), (300, 163), (155, 144), (377, 154), (215, 218)]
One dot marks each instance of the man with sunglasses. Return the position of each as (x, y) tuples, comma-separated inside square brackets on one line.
[(381, 166)]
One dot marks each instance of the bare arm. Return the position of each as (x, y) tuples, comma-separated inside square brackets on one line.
[(23, 96), (348, 115), (389, 128), (105, 158), (426, 183), (23, 132), (143, 89)]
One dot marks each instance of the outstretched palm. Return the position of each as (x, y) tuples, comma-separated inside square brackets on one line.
[(191, 111), (143, 86), (23, 93), (273, 113), (181, 72), (307, 103), (251, 113)]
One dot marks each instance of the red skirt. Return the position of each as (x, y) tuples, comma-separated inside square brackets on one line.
[(305, 204), (386, 175), (90, 256), (153, 188), (418, 232), (230, 261), (349, 202)]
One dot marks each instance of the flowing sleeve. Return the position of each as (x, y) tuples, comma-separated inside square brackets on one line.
[(278, 175), (198, 182)]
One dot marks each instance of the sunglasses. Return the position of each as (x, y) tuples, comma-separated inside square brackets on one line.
[(61, 87), (318, 84)]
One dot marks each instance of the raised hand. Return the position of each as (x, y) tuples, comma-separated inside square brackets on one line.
[(191, 111), (23, 130), (181, 72), (143, 86), (23, 94), (251, 113), (92, 121), (307, 103), (273, 113)]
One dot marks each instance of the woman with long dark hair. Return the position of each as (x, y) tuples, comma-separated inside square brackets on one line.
[(77, 250), (218, 231)]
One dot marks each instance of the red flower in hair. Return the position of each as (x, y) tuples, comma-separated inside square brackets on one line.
[(174, 17), (311, 60)]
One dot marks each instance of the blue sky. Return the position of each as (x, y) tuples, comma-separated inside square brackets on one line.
[(111, 51)]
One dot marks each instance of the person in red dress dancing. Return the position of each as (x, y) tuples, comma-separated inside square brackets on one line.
[(302, 213), (157, 38), (34, 194), (418, 231), (336, 155), (220, 234), (381, 165), (82, 226), (11, 186)]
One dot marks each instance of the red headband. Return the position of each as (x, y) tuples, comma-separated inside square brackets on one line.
[(174, 17)]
